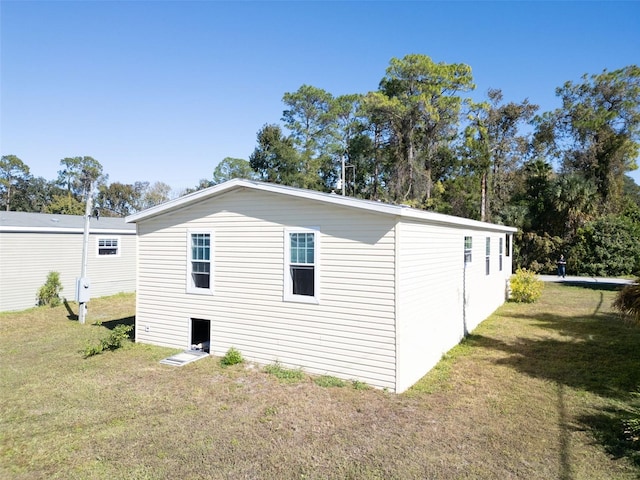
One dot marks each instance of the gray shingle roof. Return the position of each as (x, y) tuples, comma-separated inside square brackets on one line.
[(23, 221)]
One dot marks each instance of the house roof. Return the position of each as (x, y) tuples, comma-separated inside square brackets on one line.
[(401, 211), (53, 223)]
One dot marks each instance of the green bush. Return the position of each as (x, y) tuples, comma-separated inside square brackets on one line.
[(606, 247), (525, 286), (627, 301), (49, 293), (114, 341), (359, 385), (232, 357), (329, 381), (287, 375)]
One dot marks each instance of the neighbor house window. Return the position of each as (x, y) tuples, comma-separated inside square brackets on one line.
[(468, 244), (500, 254), (301, 265), (108, 246), (199, 278), (488, 255)]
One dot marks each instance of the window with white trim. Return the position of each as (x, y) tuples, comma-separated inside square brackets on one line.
[(468, 245), (108, 246), (500, 254), (199, 262), (301, 266), (488, 256)]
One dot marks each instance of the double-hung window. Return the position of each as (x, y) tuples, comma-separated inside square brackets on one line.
[(500, 254), (301, 265), (488, 256), (108, 246), (199, 262), (468, 245)]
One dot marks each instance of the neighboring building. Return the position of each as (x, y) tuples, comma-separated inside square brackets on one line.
[(351, 288), (34, 244)]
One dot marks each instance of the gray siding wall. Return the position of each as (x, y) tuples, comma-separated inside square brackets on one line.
[(27, 258), (349, 334)]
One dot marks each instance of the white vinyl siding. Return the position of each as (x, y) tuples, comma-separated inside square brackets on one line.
[(350, 334), (430, 297), (26, 258), (394, 292)]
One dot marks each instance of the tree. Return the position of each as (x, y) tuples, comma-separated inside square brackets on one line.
[(12, 171), (418, 101), (494, 145), (152, 195), (597, 130), (607, 246), (310, 119), (230, 168), (276, 160), (345, 112), (118, 199), (33, 194), (78, 173), (65, 205)]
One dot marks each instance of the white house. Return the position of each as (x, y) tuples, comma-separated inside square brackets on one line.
[(351, 288), (34, 244)]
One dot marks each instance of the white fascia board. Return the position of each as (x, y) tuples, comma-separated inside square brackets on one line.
[(330, 198), (103, 231)]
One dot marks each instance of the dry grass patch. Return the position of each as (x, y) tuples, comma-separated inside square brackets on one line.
[(534, 393)]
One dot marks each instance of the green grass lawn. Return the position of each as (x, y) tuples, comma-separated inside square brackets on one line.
[(536, 392)]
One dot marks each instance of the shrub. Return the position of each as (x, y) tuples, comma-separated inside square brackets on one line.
[(232, 357), (49, 293), (606, 247), (525, 286), (627, 301), (114, 341), (284, 374), (329, 381), (359, 385)]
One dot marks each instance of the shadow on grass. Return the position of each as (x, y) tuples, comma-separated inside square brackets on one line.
[(72, 315), (129, 321), (607, 427), (597, 352), (603, 285)]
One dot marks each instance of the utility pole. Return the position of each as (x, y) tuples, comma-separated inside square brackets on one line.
[(342, 179), (82, 285)]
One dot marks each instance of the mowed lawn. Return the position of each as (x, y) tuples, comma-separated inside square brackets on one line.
[(536, 392)]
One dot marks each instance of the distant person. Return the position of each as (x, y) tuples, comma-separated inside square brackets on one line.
[(562, 267)]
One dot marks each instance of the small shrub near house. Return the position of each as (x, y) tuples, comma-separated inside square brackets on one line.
[(49, 293), (284, 374), (525, 286), (112, 342), (329, 381), (628, 302), (232, 357)]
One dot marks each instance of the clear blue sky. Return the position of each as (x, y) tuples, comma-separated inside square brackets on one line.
[(162, 91)]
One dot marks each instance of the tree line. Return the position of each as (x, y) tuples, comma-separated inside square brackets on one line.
[(559, 176)]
